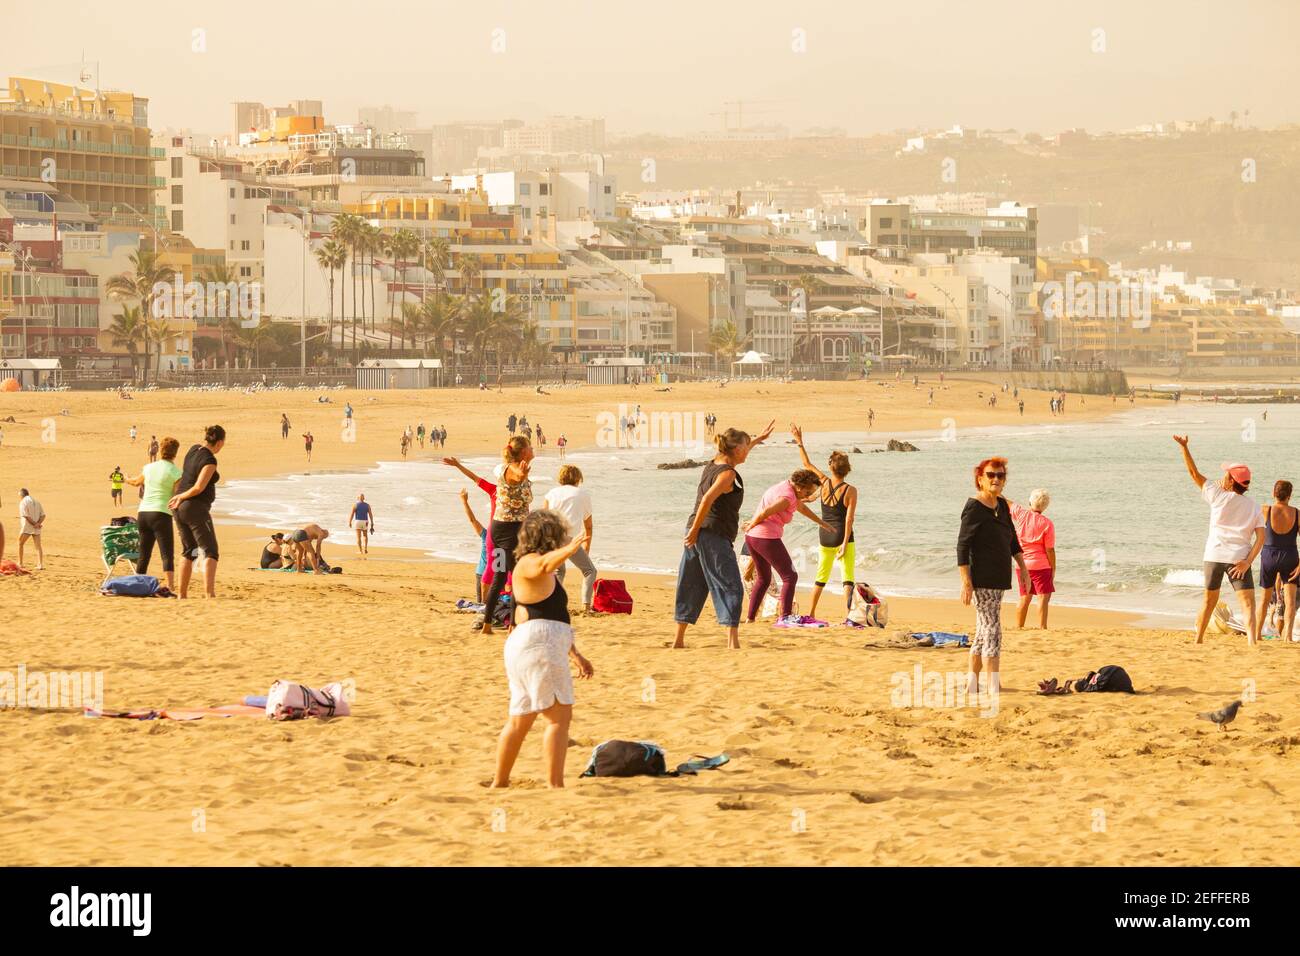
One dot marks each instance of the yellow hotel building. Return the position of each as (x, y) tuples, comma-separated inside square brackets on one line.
[(93, 145)]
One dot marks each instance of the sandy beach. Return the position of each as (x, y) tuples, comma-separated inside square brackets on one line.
[(831, 763)]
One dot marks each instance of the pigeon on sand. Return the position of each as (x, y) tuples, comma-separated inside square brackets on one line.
[(1222, 717)]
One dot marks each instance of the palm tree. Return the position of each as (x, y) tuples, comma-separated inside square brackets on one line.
[(506, 332), (727, 340), (160, 330), (253, 339), (435, 253), (469, 272), (441, 318), (533, 350), (220, 310), (372, 241), (332, 255), (347, 231), (402, 245), (141, 284), (127, 329), (808, 284)]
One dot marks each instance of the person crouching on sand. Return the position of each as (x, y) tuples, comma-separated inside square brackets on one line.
[(1236, 538), (708, 566), (1037, 535), (537, 651), (763, 532), (986, 546)]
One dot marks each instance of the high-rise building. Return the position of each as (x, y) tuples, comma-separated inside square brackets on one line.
[(93, 145), (557, 135)]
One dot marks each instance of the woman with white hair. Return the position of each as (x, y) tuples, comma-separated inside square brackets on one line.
[(1037, 536)]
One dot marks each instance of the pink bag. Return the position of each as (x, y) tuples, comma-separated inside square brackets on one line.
[(288, 701)]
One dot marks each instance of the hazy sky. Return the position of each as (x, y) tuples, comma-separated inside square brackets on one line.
[(666, 65)]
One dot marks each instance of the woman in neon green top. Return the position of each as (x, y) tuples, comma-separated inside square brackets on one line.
[(158, 478)]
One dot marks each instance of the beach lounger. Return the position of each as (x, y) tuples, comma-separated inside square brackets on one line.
[(118, 543)]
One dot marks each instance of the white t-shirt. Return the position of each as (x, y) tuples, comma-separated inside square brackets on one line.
[(573, 502), (1233, 520), (30, 512)]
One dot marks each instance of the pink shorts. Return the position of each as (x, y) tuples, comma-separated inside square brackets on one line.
[(1040, 581)]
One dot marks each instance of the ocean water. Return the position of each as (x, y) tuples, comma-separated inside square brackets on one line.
[(1130, 524)]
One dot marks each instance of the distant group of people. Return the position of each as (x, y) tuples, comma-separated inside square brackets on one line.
[(518, 426)]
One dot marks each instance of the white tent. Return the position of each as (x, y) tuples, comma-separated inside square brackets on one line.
[(752, 362)]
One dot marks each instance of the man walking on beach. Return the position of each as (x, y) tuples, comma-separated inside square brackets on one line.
[(31, 518), (1235, 540), (307, 441)]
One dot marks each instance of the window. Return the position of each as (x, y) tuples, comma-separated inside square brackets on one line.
[(607, 190), (178, 221), (232, 192), (178, 167), (245, 271), (177, 195), (525, 189), (243, 245), (544, 189), (232, 218), (232, 245), (885, 223)]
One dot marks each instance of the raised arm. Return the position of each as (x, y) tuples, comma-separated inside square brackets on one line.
[(797, 432), (469, 513), (455, 463), (1197, 477)]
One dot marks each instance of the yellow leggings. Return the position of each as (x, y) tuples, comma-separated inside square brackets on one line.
[(828, 558)]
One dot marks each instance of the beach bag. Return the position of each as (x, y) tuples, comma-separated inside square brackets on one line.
[(131, 585), (611, 597), (289, 701), (626, 758), (1112, 678), (867, 609)]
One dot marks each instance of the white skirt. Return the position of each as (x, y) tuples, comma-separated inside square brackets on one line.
[(537, 665)]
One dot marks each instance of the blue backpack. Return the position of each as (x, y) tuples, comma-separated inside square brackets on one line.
[(131, 585)]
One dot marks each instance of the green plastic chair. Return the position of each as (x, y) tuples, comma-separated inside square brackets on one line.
[(118, 544)]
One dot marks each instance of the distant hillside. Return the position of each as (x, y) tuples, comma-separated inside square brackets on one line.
[(1185, 188)]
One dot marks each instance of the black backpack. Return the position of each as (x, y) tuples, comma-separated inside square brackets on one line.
[(626, 758), (1111, 678)]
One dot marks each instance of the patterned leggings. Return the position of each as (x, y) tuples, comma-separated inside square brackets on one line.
[(988, 622)]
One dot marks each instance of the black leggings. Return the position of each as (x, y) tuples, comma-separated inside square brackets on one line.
[(505, 537), (155, 526)]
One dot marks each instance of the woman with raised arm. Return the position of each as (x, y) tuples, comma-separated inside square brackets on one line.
[(764, 531), (538, 650), (708, 565), (514, 495), (839, 501)]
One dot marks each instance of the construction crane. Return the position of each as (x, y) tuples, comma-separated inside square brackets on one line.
[(740, 110)]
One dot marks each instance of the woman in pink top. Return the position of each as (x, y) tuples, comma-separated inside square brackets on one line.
[(1037, 537), (763, 536)]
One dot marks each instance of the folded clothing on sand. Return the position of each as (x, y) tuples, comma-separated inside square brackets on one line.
[(801, 620), (643, 758), (939, 639), (9, 567), (181, 713)]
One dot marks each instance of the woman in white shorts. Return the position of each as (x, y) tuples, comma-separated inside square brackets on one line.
[(538, 649)]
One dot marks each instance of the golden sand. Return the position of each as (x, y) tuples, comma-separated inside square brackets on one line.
[(827, 767)]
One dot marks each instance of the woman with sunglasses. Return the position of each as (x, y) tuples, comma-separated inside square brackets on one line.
[(986, 546)]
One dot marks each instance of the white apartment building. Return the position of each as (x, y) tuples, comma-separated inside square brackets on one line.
[(556, 135), (1009, 290), (217, 204), (771, 326), (537, 196)]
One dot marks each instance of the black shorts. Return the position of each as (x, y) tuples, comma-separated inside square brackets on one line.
[(1216, 570), (197, 534), (1276, 563)]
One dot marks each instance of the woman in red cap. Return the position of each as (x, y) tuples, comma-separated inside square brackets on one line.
[(1235, 540)]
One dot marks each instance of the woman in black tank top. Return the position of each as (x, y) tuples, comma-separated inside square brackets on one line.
[(539, 648), (839, 505), (708, 565)]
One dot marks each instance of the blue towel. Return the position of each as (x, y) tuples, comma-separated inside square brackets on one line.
[(255, 700), (943, 637)]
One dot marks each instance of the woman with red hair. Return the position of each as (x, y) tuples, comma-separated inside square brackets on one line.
[(986, 546)]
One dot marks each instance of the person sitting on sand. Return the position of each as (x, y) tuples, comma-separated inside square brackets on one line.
[(1236, 538), (1037, 536), (274, 552), (537, 651), (362, 519)]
